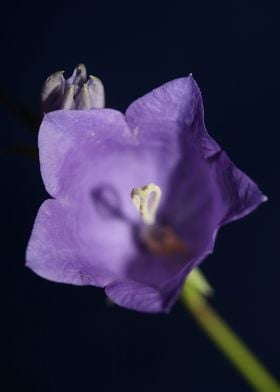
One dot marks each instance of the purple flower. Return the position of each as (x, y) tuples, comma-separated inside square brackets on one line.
[(138, 198)]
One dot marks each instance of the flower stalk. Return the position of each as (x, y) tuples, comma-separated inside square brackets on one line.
[(226, 340)]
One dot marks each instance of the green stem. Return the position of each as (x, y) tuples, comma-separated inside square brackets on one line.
[(228, 342)]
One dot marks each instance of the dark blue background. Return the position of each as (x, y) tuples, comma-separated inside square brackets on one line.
[(60, 338)]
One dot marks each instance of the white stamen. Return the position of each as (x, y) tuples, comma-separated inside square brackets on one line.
[(146, 200)]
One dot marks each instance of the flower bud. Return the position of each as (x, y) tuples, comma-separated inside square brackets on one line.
[(76, 92)]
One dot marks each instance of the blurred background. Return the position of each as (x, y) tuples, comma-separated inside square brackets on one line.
[(58, 337)]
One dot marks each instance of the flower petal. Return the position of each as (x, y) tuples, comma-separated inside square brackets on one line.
[(144, 298), (240, 194), (64, 134), (54, 251), (178, 101), (135, 296)]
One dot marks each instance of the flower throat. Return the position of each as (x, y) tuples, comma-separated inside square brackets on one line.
[(159, 240)]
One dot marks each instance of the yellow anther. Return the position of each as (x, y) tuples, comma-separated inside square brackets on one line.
[(146, 200)]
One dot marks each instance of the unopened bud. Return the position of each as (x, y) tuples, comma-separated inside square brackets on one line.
[(75, 92)]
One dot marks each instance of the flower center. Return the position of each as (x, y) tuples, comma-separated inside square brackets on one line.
[(146, 200), (159, 240)]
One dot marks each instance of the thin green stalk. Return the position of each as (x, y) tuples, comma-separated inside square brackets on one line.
[(228, 342)]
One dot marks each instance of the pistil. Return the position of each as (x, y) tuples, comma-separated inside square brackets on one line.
[(159, 240), (146, 200)]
